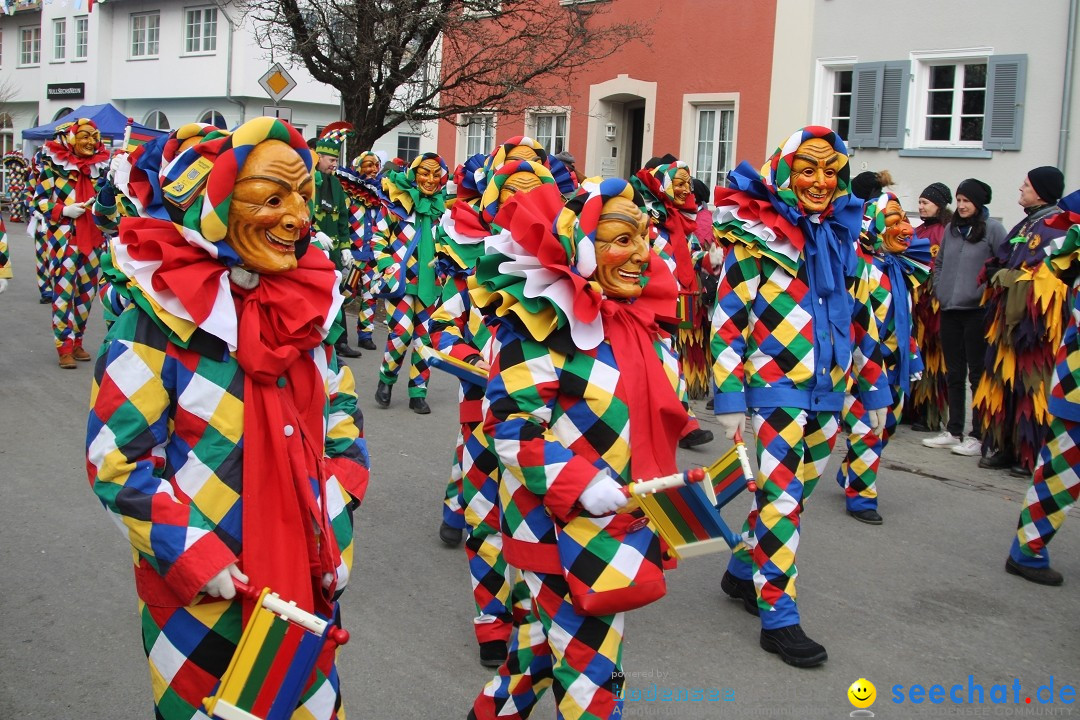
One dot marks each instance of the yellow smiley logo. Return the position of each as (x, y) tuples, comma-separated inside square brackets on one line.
[(862, 693)]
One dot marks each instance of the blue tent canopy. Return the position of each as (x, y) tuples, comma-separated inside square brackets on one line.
[(110, 121)]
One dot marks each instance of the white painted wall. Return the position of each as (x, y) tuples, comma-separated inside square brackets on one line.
[(882, 30)]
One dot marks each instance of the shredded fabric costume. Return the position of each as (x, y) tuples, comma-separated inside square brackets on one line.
[(568, 396), (1056, 484), (929, 400), (893, 278), (223, 429), (679, 247), (1026, 315), (792, 334), (75, 245)]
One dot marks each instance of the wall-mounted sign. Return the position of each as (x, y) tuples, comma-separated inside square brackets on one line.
[(279, 112), (65, 91)]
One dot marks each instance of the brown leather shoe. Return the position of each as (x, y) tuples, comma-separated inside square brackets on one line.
[(81, 355), (67, 361)]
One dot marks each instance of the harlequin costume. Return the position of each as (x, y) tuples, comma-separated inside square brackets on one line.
[(18, 177), (678, 245), (330, 216), (365, 202), (929, 401), (38, 229), (894, 272), (792, 333), (458, 329), (1026, 315), (223, 429), (1055, 486), (68, 179), (404, 247), (580, 383)]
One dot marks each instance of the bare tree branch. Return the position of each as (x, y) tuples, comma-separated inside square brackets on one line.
[(399, 61)]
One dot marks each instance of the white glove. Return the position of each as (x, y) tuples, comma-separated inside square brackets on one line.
[(118, 161), (877, 420), (347, 261), (323, 241), (716, 258), (915, 377), (221, 585), (3, 284), (73, 211), (730, 422), (603, 495)]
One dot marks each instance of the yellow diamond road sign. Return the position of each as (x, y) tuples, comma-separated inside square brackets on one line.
[(277, 82)]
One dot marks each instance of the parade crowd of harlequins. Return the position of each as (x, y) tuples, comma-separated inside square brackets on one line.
[(581, 316)]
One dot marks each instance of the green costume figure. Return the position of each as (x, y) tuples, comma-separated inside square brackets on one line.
[(330, 214)]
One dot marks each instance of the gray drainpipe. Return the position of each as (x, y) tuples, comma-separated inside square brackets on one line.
[(229, 62), (1066, 93)]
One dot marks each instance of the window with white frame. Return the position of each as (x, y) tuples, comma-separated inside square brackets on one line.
[(59, 39), (840, 105), (408, 147), (955, 105), (714, 143), (30, 45), (200, 30), (213, 117), (960, 100), (549, 129), (157, 120), (82, 36), (145, 34), (479, 134)]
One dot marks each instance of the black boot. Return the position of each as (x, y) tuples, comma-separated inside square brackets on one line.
[(1042, 576), (345, 350), (492, 653), (366, 343), (695, 438), (740, 589), (450, 535), (793, 647), (382, 394), (419, 406), (868, 516)]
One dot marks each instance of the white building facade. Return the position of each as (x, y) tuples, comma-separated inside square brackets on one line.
[(935, 92), (162, 62)]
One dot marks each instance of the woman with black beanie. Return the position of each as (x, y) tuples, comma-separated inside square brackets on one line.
[(970, 239)]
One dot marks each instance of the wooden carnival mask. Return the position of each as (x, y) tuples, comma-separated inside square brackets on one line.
[(87, 141), (523, 152), (815, 172), (622, 248), (369, 165), (429, 176), (517, 183), (681, 187), (896, 237), (269, 210)]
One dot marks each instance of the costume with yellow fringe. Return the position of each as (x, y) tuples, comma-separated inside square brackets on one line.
[(929, 400), (1026, 315), (1055, 486)]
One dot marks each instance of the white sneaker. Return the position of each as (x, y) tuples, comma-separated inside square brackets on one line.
[(945, 440), (971, 447)]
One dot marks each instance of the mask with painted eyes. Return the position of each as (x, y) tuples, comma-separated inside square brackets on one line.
[(815, 174), (86, 143), (523, 152), (369, 166), (269, 212), (519, 182), (622, 248), (429, 176), (681, 187), (896, 237)]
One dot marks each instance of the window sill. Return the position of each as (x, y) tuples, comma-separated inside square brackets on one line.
[(210, 53), (28, 67), (75, 60), (970, 153), (142, 57), (57, 62)]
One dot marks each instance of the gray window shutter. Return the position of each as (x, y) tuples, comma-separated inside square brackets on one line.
[(865, 104), (895, 81), (1006, 81)]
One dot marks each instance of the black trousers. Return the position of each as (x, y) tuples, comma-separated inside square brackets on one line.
[(963, 343)]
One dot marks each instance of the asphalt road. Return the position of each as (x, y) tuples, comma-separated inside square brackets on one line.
[(922, 599)]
